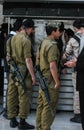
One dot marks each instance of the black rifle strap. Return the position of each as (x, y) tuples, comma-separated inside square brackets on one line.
[(77, 39), (10, 46)]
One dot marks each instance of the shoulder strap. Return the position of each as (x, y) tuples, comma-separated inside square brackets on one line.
[(77, 39), (38, 55), (10, 46)]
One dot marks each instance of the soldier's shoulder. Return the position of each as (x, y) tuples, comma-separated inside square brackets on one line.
[(54, 42), (50, 43)]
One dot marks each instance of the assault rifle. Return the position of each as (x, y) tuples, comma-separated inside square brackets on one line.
[(43, 86), (18, 74)]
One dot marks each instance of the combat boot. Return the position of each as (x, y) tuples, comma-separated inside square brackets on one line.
[(13, 123), (5, 115), (76, 118), (23, 125)]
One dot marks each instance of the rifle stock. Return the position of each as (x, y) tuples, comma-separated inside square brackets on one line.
[(43, 86), (19, 75)]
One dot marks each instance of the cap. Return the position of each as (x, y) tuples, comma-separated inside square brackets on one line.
[(54, 24), (29, 23)]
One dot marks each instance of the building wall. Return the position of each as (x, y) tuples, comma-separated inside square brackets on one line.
[(1, 14)]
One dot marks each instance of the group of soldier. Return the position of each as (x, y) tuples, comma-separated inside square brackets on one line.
[(20, 60)]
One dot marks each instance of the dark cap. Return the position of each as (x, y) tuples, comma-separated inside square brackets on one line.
[(29, 23)]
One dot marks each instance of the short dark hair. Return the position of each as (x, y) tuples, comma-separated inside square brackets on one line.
[(17, 25), (52, 26), (69, 32), (49, 29), (77, 24), (61, 27)]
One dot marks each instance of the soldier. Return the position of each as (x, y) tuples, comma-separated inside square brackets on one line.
[(16, 28), (49, 57), (19, 50)]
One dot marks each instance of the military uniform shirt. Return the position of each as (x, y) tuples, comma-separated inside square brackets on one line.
[(48, 53), (21, 47)]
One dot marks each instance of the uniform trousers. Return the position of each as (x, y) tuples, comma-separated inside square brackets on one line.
[(44, 118), (17, 97)]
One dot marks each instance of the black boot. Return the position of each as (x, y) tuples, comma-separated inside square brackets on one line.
[(76, 118), (13, 123), (24, 125), (5, 115)]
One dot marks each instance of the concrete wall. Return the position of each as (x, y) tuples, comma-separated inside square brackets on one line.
[(1, 13)]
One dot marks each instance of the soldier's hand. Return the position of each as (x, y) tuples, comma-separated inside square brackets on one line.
[(57, 85), (33, 81)]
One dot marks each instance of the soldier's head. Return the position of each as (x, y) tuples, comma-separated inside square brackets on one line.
[(54, 29), (28, 26), (17, 25), (76, 25)]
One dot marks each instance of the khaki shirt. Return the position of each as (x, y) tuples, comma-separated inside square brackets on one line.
[(48, 53), (21, 47)]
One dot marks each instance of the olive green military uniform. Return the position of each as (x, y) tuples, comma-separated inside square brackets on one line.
[(21, 49), (48, 53)]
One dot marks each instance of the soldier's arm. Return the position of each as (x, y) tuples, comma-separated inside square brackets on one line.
[(54, 72), (53, 61), (29, 65), (28, 59), (8, 57)]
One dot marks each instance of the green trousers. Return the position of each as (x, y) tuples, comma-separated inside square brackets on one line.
[(17, 100), (44, 118)]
